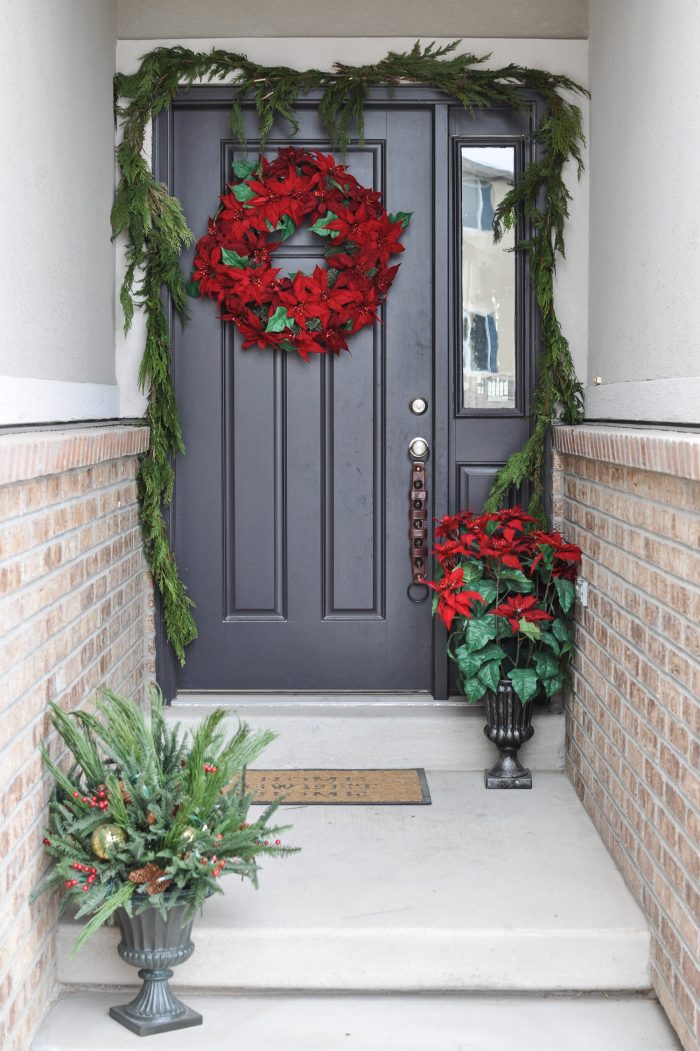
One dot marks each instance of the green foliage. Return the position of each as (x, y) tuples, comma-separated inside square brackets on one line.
[(156, 231), (178, 798)]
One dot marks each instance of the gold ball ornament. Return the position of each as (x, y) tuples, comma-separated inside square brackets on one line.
[(106, 840), (189, 834)]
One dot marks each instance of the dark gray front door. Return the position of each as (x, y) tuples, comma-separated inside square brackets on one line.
[(290, 517)]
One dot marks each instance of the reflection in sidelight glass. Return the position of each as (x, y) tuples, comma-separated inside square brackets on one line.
[(488, 281)]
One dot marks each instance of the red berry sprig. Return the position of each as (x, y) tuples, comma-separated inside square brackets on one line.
[(97, 801), (91, 872), (209, 768)]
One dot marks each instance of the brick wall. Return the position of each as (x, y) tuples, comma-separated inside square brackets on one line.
[(631, 499), (75, 612)]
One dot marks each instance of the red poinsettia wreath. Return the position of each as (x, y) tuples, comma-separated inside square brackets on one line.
[(307, 313)]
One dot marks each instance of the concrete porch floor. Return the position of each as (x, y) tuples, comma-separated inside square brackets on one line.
[(376, 1023), (482, 891)]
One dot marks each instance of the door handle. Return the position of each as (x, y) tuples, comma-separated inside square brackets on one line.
[(418, 451)]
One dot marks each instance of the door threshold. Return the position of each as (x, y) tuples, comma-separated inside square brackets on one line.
[(286, 700)]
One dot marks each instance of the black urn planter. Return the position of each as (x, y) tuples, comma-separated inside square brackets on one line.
[(508, 725), (155, 945)]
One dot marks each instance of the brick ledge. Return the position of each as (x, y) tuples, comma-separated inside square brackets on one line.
[(33, 454), (662, 450)]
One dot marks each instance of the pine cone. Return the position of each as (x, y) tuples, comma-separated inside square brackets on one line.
[(125, 795), (150, 818), (152, 876)]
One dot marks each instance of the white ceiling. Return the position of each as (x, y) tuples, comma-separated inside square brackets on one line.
[(152, 19)]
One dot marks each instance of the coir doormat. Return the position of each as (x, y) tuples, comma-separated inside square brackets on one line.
[(341, 787)]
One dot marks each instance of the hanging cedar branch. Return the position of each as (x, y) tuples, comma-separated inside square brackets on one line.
[(156, 232)]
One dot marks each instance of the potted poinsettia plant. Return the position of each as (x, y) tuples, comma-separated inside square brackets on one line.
[(142, 827), (505, 591)]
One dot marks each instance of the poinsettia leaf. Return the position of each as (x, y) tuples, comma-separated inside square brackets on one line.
[(479, 631), (278, 321), (529, 629), (244, 169), (192, 288), (231, 258), (486, 588), (242, 192), (474, 690), (515, 580), (467, 662), (472, 570), (434, 603), (319, 227), (548, 639), (490, 675), (553, 685), (546, 664), (286, 226), (566, 592), (286, 345), (563, 635), (525, 683), (401, 217)]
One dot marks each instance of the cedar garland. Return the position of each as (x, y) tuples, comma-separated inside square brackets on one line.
[(156, 232)]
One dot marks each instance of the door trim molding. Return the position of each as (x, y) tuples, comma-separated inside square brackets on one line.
[(406, 97)]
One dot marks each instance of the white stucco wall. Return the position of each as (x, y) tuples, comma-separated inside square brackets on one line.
[(645, 211), (56, 186), (559, 56)]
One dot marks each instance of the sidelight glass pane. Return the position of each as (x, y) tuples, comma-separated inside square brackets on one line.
[(488, 281)]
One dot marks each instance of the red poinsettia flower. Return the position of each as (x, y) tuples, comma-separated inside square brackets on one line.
[(303, 302), (259, 284), (327, 168), (503, 549), (519, 607), (452, 599)]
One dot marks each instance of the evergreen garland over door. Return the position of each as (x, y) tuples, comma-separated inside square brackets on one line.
[(290, 516)]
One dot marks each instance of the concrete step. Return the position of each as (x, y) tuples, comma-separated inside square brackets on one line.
[(481, 891), (377, 731), (380, 1023)]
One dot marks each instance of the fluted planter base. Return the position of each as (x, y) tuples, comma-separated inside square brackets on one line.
[(508, 725), (155, 945), (155, 1009)]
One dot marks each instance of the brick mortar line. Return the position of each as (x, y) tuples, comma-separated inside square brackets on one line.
[(47, 610), (563, 471), (670, 678), (594, 777), (83, 672), (660, 604), (589, 775), (5, 563), (640, 715), (41, 949), (625, 790), (689, 1023), (21, 697), (630, 554), (29, 727), (633, 498), (654, 762), (38, 824), (662, 672), (5, 937), (69, 503), (657, 603)]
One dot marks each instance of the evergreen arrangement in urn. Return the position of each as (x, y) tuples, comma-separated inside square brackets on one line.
[(148, 815)]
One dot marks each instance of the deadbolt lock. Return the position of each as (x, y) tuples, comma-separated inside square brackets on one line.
[(418, 406), (418, 448)]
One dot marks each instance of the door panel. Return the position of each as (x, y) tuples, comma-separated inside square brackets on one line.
[(290, 520)]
